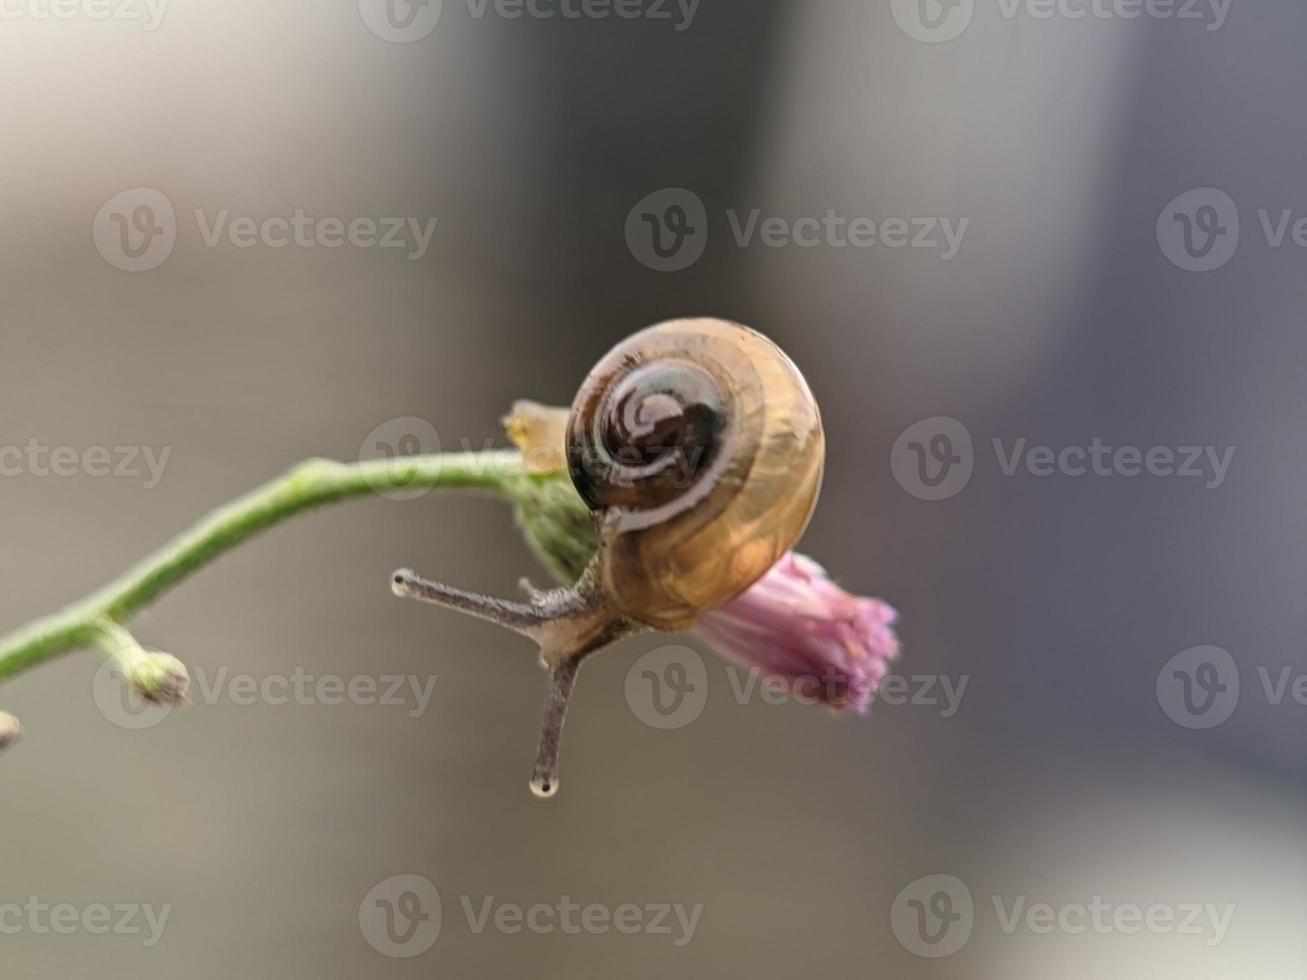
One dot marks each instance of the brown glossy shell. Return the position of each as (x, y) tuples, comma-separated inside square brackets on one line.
[(700, 448)]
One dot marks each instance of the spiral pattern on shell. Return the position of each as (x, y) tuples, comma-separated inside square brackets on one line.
[(699, 447)]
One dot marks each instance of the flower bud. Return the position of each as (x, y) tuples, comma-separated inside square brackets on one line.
[(795, 623), (158, 677), (556, 524), (11, 732), (540, 433)]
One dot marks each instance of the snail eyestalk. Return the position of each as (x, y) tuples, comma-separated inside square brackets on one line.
[(544, 778), (566, 623), (516, 616)]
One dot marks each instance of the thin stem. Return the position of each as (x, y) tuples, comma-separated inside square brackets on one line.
[(113, 639), (311, 484)]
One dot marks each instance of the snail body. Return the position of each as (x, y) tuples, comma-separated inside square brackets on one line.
[(699, 448)]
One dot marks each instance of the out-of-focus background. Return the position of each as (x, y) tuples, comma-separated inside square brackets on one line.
[(1064, 225)]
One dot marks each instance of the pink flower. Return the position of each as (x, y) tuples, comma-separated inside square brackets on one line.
[(798, 625)]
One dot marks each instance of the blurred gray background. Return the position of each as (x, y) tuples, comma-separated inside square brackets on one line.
[(1060, 777)]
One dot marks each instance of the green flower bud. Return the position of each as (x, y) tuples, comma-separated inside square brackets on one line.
[(158, 677), (556, 524), (11, 731), (552, 517)]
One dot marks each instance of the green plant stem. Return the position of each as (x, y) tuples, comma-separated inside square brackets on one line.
[(311, 484)]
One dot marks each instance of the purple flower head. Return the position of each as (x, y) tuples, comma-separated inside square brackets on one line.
[(798, 625)]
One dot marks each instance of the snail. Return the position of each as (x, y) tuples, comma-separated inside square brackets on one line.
[(698, 449)]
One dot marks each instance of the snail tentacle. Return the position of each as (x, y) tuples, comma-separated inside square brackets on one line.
[(530, 591), (565, 623), (544, 777), (516, 616)]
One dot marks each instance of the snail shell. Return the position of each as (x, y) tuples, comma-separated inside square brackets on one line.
[(699, 447)]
